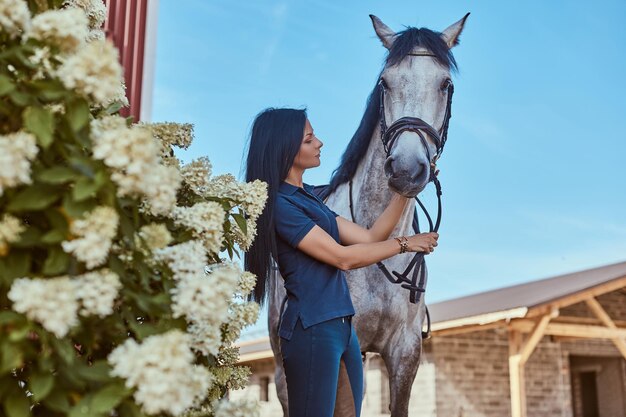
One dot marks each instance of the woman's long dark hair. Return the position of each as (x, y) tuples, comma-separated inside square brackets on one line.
[(275, 140)]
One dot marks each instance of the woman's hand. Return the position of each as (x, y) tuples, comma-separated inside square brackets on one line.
[(423, 242)]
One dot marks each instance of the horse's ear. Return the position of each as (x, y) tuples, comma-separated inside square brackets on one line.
[(452, 33), (385, 34)]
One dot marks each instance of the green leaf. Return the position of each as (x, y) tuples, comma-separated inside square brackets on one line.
[(85, 188), (41, 385), (19, 334), (56, 262), (77, 114), (6, 85), (241, 222), (9, 317), (114, 107), (28, 238), (57, 400), (40, 122), (109, 397), (53, 236), (57, 175), (130, 409), (16, 265), (34, 197), (98, 372), (17, 405), (64, 349), (19, 98), (49, 89), (11, 357), (77, 208)]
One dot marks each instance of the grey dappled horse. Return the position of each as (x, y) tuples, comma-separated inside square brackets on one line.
[(416, 77)]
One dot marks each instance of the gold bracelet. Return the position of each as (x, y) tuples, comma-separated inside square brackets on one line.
[(404, 243)]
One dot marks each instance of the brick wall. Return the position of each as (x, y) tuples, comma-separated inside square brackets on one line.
[(467, 375)]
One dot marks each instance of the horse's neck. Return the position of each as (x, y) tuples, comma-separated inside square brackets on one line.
[(371, 194)]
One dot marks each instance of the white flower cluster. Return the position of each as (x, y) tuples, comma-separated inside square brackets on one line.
[(42, 58), (14, 17), (65, 29), (251, 195), (185, 259), (94, 71), (94, 234), (96, 13), (240, 316), (208, 309), (55, 302), (206, 222), (245, 407), (247, 281), (153, 236), (203, 299), (172, 134), (17, 150), (162, 371), (10, 229), (97, 291), (196, 175), (132, 153), (51, 302)]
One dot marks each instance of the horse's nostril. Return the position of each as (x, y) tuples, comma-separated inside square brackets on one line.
[(388, 166)]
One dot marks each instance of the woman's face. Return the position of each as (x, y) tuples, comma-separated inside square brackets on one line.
[(309, 154)]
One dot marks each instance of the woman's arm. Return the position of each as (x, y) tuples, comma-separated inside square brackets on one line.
[(351, 233), (320, 245)]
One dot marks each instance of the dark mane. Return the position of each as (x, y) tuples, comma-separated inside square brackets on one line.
[(403, 44)]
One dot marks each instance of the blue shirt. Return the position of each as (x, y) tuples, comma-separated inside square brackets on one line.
[(316, 291)]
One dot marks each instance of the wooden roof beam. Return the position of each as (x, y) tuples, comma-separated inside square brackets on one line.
[(604, 317)]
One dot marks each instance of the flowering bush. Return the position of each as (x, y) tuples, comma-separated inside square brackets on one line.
[(114, 300)]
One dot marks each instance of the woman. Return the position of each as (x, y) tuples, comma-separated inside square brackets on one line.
[(313, 246)]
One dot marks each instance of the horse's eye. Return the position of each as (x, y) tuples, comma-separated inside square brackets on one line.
[(446, 84)]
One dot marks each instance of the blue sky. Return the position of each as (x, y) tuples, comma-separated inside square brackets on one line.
[(534, 168)]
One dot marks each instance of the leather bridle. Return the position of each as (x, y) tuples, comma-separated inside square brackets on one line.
[(388, 135)]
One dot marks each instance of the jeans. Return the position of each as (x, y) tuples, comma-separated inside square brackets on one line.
[(312, 359)]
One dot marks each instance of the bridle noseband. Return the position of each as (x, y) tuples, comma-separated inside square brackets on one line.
[(388, 136)]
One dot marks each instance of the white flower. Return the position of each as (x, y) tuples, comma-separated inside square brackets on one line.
[(245, 407), (196, 175), (51, 302), (132, 153), (66, 29), (94, 9), (185, 259), (94, 236), (172, 134), (160, 189), (205, 220), (10, 229), (154, 236), (247, 281), (203, 300), (251, 195), (240, 316), (162, 371), (244, 240), (95, 72), (16, 151), (97, 291), (56, 302), (14, 17), (42, 58), (205, 337)]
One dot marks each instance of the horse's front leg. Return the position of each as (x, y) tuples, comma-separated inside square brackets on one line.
[(402, 362)]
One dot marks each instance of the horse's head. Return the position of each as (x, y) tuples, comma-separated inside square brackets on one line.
[(415, 84)]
